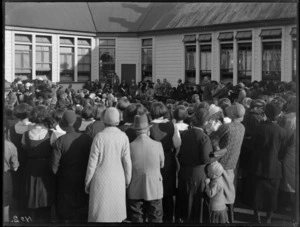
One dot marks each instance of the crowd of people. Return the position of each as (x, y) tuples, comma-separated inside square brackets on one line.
[(149, 152)]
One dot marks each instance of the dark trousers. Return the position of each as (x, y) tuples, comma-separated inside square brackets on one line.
[(140, 210)]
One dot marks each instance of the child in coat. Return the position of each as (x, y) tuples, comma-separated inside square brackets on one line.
[(214, 188)]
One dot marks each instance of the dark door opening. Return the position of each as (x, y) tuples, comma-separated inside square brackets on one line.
[(128, 72)]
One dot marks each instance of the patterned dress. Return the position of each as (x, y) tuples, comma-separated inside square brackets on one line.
[(108, 173)]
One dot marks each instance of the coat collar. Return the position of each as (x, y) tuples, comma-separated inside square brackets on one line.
[(160, 120), (68, 129)]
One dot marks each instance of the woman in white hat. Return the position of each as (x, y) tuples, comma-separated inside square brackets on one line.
[(109, 172)]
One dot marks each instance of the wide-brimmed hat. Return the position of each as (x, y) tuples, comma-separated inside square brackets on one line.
[(111, 116), (141, 122)]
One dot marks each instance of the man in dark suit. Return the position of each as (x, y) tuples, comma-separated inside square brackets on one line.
[(123, 88), (180, 90)]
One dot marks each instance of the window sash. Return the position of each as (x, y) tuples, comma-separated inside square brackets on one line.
[(107, 42), (204, 38), (147, 56), (226, 58), (147, 42), (293, 32), (190, 57), (244, 35), (66, 41), (270, 33), (43, 54), (23, 38), (205, 61), (244, 57), (107, 55), (23, 57), (66, 62), (43, 39), (84, 42), (225, 36), (189, 39), (271, 59)]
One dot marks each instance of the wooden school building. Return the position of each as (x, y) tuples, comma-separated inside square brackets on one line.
[(80, 41)]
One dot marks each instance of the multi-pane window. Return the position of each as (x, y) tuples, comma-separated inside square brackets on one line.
[(43, 57), (226, 56), (107, 49), (147, 59), (84, 60), (66, 59), (205, 55), (244, 62), (271, 56), (244, 39), (190, 58), (271, 62), (294, 53), (23, 56)]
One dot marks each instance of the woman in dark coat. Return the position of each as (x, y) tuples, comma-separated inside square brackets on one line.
[(69, 163), (16, 132), (270, 140), (39, 180), (167, 133), (193, 156)]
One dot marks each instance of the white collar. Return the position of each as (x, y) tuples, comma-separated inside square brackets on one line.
[(160, 120), (58, 129), (26, 121)]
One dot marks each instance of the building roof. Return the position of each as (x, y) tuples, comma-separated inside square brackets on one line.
[(140, 17), (181, 15), (50, 15)]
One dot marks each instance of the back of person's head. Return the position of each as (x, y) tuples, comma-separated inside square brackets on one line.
[(246, 102), (132, 110), (140, 109), (57, 114), (98, 110), (39, 115), (291, 104), (200, 116), (184, 103), (129, 113), (180, 113), (157, 110), (123, 103), (272, 111), (87, 112), (22, 111), (195, 98), (78, 109), (279, 102), (204, 105), (224, 103)]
